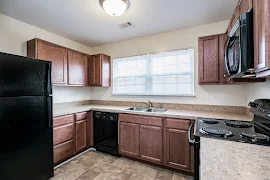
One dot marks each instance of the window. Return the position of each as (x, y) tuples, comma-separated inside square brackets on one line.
[(168, 73)]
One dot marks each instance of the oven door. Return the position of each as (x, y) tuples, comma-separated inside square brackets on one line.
[(233, 50)]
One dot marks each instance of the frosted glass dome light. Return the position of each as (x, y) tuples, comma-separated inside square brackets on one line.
[(115, 7)]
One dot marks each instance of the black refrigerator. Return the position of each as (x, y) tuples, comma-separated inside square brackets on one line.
[(25, 118)]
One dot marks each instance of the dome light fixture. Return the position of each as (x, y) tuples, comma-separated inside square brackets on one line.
[(114, 7)]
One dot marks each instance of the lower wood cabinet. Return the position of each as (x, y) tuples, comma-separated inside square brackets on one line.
[(71, 135), (129, 139), (177, 149), (178, 152), (63, 151), (151, 143), (157, 140), (81, 135)]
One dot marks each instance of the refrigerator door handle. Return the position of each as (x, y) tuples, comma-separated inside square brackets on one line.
[(191, 141)]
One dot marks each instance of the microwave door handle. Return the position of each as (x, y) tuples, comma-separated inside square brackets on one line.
[(226, 57)]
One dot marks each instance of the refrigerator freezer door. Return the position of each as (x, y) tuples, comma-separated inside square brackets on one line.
[(21, 76), (26, 138)]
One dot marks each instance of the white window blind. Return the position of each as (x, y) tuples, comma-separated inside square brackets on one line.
[(167, 73)]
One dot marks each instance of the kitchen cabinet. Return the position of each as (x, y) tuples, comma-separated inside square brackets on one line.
[(90, 132), (177, 148), (81, 136), (81, 131), (261, 17), (211, 59), (77, 68), (63, 151), (141, 137), (99, 67), (129, 139), (39, 49), (63, 138), (151, 143), (156, 140)]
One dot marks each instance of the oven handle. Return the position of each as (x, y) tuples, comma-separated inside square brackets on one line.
[(191, 141)]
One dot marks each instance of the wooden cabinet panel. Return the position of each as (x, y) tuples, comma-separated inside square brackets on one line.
[(178, 124), (90, 129), (99, 70), (63, 151), (43, 50), (151, 143), (77, 68), (129, 139), (63, 133), (144, 120), (261, 37), (177, 149), (245, 6), (57, 121), (81, 116), (209, 59), (81, 135)]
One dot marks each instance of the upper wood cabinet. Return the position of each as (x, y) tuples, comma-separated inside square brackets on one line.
[(77, 68), (261, 9), (99, 67), (211, 59), (40, 49)]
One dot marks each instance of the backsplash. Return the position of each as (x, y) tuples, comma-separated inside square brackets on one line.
[(194, 107)]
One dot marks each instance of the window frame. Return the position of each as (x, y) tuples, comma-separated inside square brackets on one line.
[(148, 76)]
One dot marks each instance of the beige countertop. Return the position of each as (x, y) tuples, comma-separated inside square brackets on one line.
[(173, 113)]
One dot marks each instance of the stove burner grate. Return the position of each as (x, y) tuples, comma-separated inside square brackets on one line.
[(256, 137), (209, 121), (214, 131), (238, 124)]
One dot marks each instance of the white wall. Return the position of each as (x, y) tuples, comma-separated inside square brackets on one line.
[(258, 91), (13, 37), (207, 94)]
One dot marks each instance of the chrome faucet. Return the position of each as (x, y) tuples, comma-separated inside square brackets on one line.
[(149, 104)]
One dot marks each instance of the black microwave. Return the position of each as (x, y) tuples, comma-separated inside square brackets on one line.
[(239, 52)]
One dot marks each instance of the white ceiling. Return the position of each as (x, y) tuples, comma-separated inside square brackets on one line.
[(86, 22)]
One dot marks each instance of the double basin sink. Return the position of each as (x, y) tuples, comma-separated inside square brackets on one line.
[(143, 109)]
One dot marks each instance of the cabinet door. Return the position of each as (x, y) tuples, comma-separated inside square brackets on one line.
[(129, 139), (96, 70), (77, 68), (63, 151), (63, 133), (209, 59), (58, 56), (81, 135), (151, 143), (261, 39), (177, 149)]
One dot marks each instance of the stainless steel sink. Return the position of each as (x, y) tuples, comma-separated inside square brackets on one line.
[(136, 109), (143, 109), (158, 110)]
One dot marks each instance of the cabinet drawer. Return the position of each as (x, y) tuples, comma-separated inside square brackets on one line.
[(63, 133), (178, 124), (144, 120), (63, 120), (63, 151), (81, 116)]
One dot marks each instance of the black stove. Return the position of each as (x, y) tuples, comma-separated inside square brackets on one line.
[(255, 132)]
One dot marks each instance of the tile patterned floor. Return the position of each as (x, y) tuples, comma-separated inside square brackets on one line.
[(98, 166)]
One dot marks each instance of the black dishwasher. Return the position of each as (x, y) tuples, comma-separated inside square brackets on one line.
[(106, 132)]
